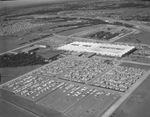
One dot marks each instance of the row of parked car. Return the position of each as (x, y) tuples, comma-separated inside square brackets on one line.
[(119, 78)]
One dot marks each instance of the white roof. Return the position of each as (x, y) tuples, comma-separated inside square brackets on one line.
[(99, 48)]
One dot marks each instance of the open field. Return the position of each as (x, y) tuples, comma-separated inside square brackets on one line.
[(137, 104), (70, 32), (140, 38), (8, 43), (9, 110), (8, 74), (78, 30)]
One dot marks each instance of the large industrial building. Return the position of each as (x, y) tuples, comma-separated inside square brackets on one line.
[(98, 48)]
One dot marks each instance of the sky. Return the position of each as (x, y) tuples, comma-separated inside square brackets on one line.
[(8, 3), (13, 3)]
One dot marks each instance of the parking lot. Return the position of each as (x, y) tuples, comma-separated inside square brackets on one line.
[(119, 78), (62, 96)]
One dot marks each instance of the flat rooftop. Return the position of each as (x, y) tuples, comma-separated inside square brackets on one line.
[(98, 48)]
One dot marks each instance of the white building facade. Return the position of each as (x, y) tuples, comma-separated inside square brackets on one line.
[(98, 48)]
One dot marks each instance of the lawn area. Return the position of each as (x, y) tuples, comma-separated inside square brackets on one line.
[(137, 104), (141, 38), (13, 41), (8, 74), (6, 41), (9, 110), (70, 32)]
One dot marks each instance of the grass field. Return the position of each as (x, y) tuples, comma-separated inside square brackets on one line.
[(9, 42), (137, 104), (141, 38), (8, 110), (70, 32), (8, 74), (5, 43)]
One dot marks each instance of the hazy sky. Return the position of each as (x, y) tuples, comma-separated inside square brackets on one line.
[(23, 2)]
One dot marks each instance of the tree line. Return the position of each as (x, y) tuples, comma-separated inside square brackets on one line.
[(20, 59)]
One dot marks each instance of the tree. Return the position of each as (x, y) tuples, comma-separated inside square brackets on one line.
[(21, 59)]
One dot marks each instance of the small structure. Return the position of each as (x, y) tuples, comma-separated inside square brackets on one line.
[(30, 49), (41, 46), (33, 48)]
